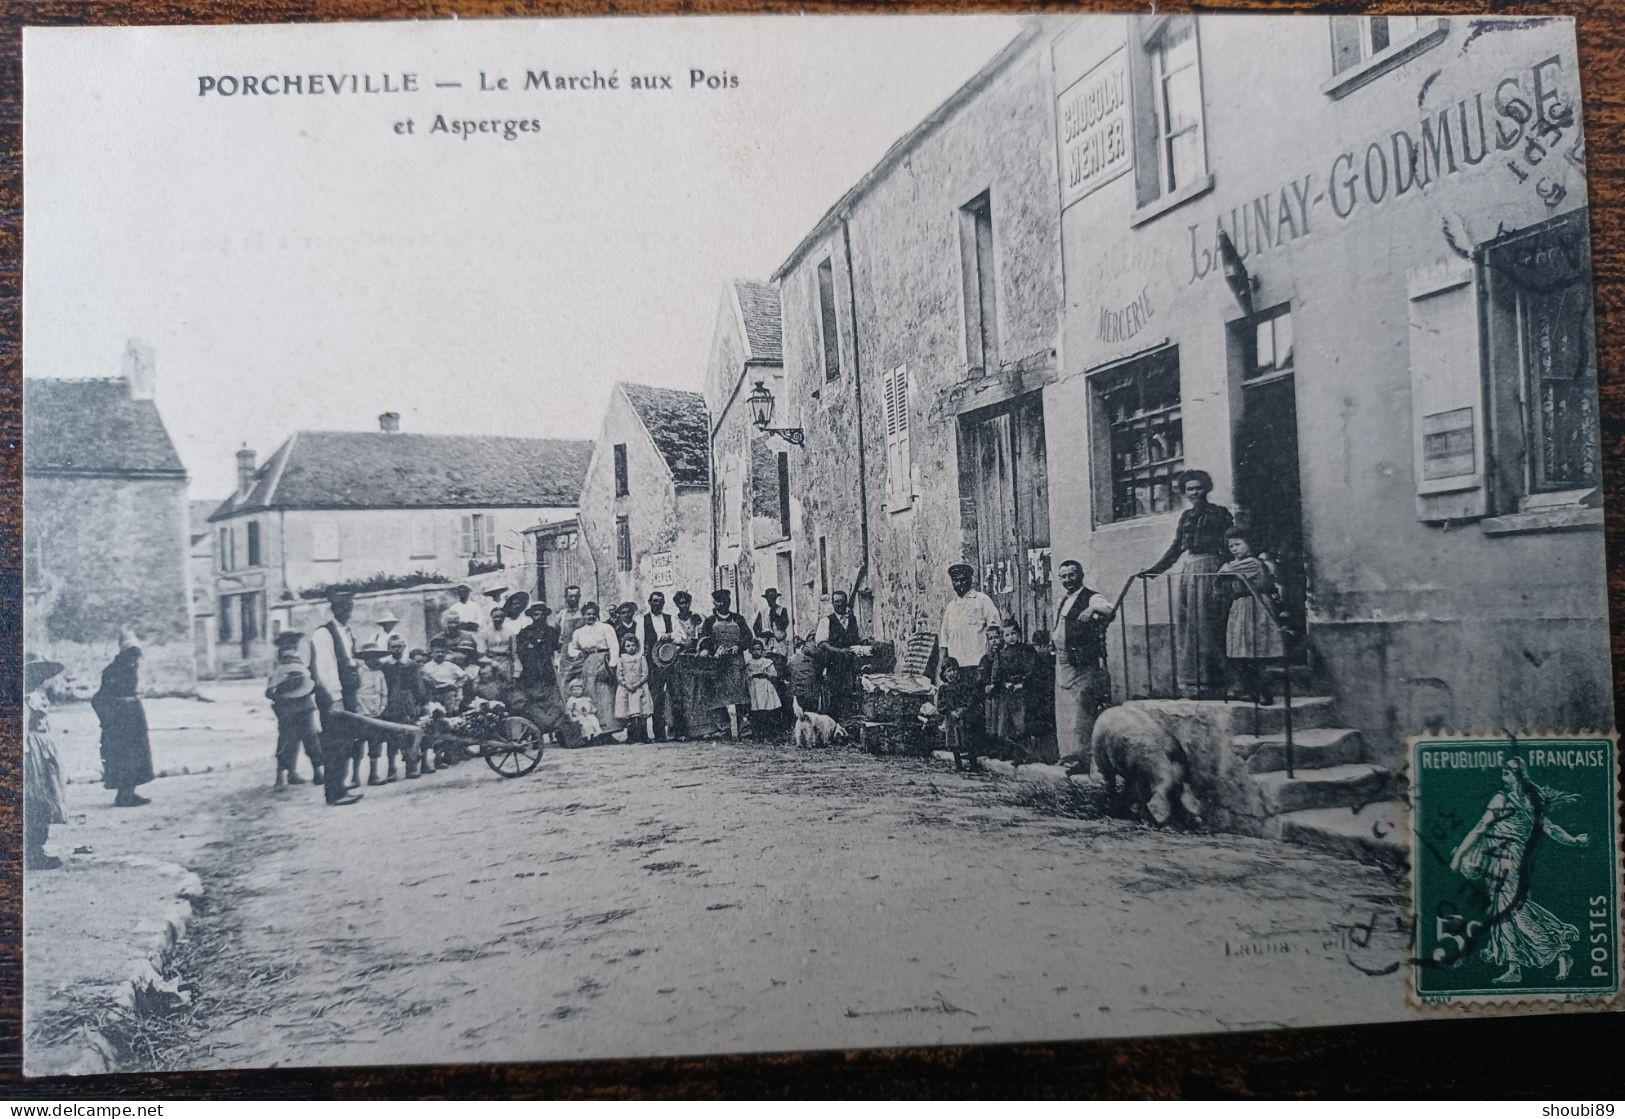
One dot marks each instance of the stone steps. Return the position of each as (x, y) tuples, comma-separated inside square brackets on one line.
[(1376, 833), (1314, 748), (1338, 786), (1308, 713)]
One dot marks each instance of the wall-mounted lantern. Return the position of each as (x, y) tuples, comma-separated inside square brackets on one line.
[(761, 411)]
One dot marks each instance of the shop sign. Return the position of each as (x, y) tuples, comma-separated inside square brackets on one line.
[(1447, 444), (662, 570), (1093, 120)]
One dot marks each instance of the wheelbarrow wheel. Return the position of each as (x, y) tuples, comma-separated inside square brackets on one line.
[(517, 749)]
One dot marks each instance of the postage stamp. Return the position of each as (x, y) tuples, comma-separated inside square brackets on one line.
[(1515, 868)]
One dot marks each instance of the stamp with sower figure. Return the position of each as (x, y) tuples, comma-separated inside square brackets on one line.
[(1515, 868)]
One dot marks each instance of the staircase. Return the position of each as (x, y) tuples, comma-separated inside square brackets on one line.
[(1335, 801)]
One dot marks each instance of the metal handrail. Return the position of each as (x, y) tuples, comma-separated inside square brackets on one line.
[(1285, 632)]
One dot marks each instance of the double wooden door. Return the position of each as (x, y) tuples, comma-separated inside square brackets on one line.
[(1004, 503)]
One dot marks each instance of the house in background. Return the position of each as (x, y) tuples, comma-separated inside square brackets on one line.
[(646, 500), (559, 554), (347, 506), (752, 506), (105, 527), (200, 583)]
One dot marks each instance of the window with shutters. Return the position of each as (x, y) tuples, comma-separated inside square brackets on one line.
[(479, 535), (1170, 135), (828, 325), (980, 285), (623, 544), (899, 463), (622, 483), (324, 540), (1366, 47), (254, 558)]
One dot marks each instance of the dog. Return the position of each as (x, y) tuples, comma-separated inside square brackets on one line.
[(814, 729), (1131, 743)]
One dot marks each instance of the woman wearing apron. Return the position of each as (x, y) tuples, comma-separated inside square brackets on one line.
[(1201, 606)]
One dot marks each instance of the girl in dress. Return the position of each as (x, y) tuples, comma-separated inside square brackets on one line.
[(580, 709), (765, 703), (1252, 638), (634, 703), (44, 792)]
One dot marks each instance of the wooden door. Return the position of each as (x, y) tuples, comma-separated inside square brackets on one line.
[(1004, 488)]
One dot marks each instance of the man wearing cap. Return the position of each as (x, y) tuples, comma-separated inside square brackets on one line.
[(461, 616), (772, 624), (837, 633), (338, 678), (372, 699), (292, 692), (657, 628), (534, 648), (965, 623)]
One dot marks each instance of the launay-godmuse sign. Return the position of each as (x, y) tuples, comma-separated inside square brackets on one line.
[(1459, 137)]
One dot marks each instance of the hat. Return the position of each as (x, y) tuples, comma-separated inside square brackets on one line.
[(387, 621), (465, 646), (288, 638), (37, 671), (521, 597), (336, 597), (770, 594), (462, 587), (964, 569), (536, 609), (495, 593), (128, 640), (720, 595), (371, 647), (439, 643), (632, 606), (292, 681)]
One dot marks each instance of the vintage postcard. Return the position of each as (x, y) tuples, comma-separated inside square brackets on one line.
[(604, 538)]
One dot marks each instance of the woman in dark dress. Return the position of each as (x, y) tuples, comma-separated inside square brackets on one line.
[(726, 636), (126, 750), (1202, 606)]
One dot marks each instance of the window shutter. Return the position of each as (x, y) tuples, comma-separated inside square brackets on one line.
[(899, 485), (1447, 396), (784, 495), (1347, 34), (490, 536), (253, 544), (467, 546)]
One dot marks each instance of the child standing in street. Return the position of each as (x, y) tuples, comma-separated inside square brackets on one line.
[(292, 692), (634, 703), (765, 704), (956, 701)]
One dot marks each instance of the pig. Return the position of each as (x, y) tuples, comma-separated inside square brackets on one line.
[(1130, 742)]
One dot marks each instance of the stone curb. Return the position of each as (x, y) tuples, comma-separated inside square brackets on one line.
[(139, 984), (1033, 771)]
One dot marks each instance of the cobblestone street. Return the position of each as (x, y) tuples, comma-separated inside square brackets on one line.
[(707, 897)]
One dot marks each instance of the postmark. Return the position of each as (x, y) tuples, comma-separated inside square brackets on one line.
[(1515, 875)]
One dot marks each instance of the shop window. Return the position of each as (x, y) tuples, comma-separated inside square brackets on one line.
[(622, 483), (623, 544), (1365, 47), (980, 285), (1170, 140), (1542, 362), (899, 460), (254, 559), (1139, 435), (828, 324)]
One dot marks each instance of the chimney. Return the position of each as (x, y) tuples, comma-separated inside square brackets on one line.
[(245, 471), (140, 371), (389, 421)]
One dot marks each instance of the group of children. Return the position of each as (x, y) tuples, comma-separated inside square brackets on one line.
[(1001, 706)]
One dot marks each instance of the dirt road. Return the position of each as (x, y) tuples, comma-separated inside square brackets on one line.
[(646, 900)]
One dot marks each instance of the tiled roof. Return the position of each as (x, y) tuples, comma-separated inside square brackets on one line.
[(93, 427), (759, 308), (680, 427), (396, 470)]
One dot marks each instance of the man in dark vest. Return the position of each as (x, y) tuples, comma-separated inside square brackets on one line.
[(338, 678), (656, 628), (837, 633), (1083, 684)]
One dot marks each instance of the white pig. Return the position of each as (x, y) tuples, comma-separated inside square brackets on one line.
[(1130, 742)]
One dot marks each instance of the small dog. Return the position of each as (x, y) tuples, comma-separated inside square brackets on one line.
[(814, 729)]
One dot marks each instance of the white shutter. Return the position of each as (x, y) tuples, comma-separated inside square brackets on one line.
[(467, 546), (899, 467), (490, 548), (1447, 394)]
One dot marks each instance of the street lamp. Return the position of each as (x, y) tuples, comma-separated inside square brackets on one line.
[(761, 411)]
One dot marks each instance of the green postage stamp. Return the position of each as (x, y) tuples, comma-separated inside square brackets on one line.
[(1515, 868)]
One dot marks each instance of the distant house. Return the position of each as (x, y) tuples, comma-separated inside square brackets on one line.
[(646, 501), (200, 583), (340, 507), (104, 527), (752, 508)]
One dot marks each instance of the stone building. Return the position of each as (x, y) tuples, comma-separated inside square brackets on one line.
[(200, 582), (105, 529), (1367, 313), (646, 500), (344, 507), (920, 318), (753, 503)]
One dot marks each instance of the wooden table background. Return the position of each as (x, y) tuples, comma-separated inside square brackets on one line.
[(1573, 1057)]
